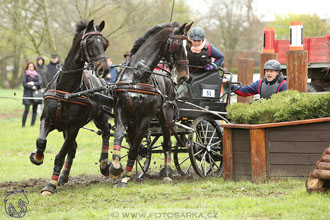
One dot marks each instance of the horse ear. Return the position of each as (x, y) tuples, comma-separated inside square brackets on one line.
[(188, 27), (181, 29), (90, 26), (101, 25)]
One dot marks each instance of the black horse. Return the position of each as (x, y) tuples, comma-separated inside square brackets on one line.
[(142, 94), (69, 115)]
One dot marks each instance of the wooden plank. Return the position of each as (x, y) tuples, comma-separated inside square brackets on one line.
[(321, 126), (290, 170), (297, 147), (242, 157), (245, 76), (290, 158), (258, 155), (311, 136), (297, 70), (228, 154), (278, 124), (242, 169), (241, 146), (241, 134)]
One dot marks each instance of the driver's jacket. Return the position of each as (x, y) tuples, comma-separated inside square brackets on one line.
[(203, 58), (262, 87)]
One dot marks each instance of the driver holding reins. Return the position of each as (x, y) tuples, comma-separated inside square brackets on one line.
[(202, 55)]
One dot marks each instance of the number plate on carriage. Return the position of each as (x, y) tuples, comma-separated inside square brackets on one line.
[(210, 93)]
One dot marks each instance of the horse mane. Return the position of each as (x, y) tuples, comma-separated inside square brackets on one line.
[(80, 26), (152, 31)]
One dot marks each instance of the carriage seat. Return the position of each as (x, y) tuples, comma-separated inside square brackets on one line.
[(204, 87)]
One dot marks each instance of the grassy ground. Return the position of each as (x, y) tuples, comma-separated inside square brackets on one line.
[(91, 196)]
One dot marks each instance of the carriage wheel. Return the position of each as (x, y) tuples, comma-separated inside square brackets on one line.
[(181, 157), (143, 160), (206, 147)]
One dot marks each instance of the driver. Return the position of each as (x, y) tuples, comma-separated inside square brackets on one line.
[(202, 55)]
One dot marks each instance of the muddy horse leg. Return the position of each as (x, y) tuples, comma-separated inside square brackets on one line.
[(70, 138), (37, 156), (136, 132), (116, 169), (102, 124), (64, 178), (166, 172)]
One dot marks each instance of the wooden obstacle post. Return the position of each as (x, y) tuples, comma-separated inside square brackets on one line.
[(245, 76), (268, 51), (297, 60), (228, 162)]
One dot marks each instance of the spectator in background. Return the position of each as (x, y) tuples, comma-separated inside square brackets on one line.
[(53, 66), (127, 56), (113, 73), (43, 72), (31, 82)]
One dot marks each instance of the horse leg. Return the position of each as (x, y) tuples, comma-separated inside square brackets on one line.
[(116, 169), (136, 132), (59, 161), (102, 124), (64, 178), (167, 171), (37, 156)]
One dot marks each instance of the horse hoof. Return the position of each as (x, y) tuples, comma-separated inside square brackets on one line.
[(46, 193), (116, 172), (64, 178), (48, 190), (167, 180), (106, 170), (36, 162), (166, 172), (121, 185), (122, 182)]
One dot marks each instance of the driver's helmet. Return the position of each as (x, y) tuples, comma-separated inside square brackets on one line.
[(272, 65), (197, 33)]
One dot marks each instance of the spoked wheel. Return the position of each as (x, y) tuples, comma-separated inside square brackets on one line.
[(206, 147), (143, 160), (181, 156)]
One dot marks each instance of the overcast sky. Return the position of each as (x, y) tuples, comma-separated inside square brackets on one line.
[(266, 9)]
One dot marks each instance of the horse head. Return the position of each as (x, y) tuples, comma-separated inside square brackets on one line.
[(93, 46), (176, 51)]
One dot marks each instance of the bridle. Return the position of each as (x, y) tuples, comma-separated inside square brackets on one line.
[(83, 42), (172, 46)]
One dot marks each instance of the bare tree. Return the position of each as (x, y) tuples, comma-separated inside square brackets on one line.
[(233, 26)]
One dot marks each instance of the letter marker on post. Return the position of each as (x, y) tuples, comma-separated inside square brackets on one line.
[(296, 35)]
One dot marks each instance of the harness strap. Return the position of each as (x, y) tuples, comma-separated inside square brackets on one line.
[(137, 88), (59, 95)]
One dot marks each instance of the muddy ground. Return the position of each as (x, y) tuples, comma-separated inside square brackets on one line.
[(36, 185)]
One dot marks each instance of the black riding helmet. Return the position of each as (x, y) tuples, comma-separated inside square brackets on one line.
[(197, 33), (272, 65)]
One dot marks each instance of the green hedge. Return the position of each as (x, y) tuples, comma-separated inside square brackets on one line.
[(285, 106)]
